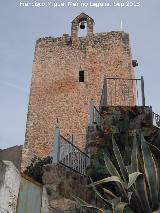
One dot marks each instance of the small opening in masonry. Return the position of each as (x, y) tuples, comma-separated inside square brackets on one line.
[(82, 29), (81, 76)]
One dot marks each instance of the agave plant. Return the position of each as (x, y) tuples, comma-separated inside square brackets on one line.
[(136, 185)]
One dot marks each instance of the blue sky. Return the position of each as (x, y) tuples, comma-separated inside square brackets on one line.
[(20, 27)]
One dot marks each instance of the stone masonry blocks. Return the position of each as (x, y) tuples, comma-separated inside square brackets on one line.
[(56, 91)]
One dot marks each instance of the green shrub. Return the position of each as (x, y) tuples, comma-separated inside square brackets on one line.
[(136, 185), (34, 170)]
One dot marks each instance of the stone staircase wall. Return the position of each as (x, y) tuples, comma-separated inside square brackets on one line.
[(62, 185)]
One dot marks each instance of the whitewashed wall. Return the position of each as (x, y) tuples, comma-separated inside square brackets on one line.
[(9, 187)]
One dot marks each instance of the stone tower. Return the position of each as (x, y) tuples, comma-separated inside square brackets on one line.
[(67, 72)]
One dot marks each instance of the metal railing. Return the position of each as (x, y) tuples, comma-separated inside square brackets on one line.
[(156, 119), (98, 118), (122, 92), (95, 116), (66, 153)]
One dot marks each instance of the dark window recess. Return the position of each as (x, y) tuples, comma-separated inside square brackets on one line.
[(81, 76)]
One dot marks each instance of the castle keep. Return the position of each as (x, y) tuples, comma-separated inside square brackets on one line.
[(67, 72)]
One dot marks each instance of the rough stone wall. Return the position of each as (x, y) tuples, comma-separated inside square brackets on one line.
[(56, 91), (123, 119), (123, 122), (45, 204), (13, 154), (62, 185), (79, 19), (9, 187)]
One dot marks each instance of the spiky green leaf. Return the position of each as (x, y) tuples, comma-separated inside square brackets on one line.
[(134, 156), (156, 150), (141, 194), (84, 204), (109, 193), (130, 196), (110, 167), (119, 160), (111, 179), (116, 180), (150, 173), (115, 202), (93, 185), (133, 178), (129, 169), (120, 208)]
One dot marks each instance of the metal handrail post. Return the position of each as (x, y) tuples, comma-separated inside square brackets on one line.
[(56, 151), (91, 111), (105, 92), (142, 90)]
